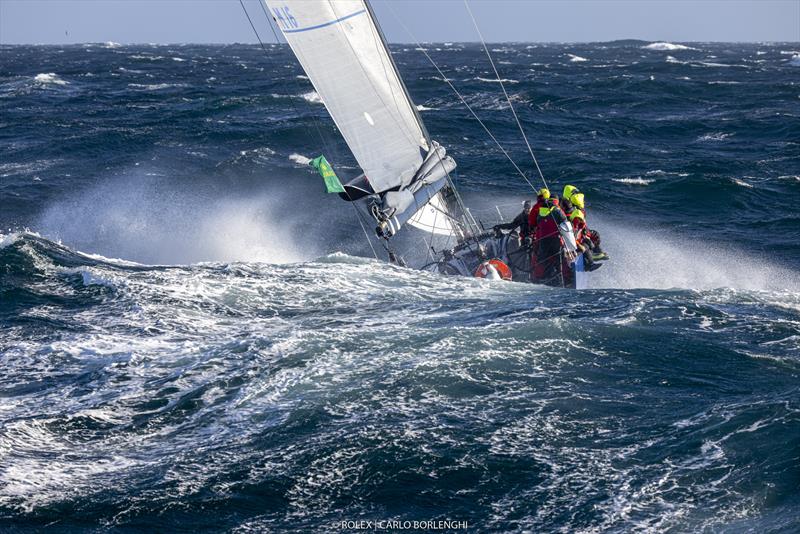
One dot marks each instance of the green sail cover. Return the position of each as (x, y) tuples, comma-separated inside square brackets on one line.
[(332, 182)]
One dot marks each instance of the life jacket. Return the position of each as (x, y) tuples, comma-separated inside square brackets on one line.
[(576, 214)]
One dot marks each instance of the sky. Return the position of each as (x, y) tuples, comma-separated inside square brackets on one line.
[(223, 21)]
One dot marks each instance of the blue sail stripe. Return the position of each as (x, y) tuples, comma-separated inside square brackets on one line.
[(351, 15)]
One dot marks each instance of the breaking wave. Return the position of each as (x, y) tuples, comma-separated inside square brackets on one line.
[(663, 46)]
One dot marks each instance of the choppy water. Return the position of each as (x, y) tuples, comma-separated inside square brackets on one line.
[(242, 367)]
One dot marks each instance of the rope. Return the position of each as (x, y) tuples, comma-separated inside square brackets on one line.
[(297, 112), (503, 87), (447, 80)]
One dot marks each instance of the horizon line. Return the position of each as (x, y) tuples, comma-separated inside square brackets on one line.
[(223, 43)]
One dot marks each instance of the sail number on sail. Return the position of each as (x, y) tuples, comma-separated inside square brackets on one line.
[(285, 18)]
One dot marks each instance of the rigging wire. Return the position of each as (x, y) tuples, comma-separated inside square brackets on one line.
[(463, 101), (297, 112), (503, 87)]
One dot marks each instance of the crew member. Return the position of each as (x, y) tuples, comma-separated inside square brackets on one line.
[(591, 238), (542, 196), (547, 257), (577, 217), (520, 221)]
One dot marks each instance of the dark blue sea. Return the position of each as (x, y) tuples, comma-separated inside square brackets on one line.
[(195, 337)]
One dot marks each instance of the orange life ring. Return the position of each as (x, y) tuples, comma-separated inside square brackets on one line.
[(484, 271)]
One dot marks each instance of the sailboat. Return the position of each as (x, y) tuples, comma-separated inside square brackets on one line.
[(407, 175)]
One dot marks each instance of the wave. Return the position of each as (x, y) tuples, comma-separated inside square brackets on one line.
[(299, 159), (495, 80), (576, 59), (49, 78), (155, 86), (794, 60), (312, 96), (715, 136), (664, 46), (633, 181)]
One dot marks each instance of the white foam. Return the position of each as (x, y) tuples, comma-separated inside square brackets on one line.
[(714, 136), (155, 86), (8, 239), (299, 159), (112, 44), (420, 107), (633, 181), (576, 59), (663, 46), (495, 80), (49, 78), (742, 183), (312, 96), (795, 60)]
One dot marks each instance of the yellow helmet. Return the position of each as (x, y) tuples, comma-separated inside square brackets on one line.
[(569, 190), (544, 193), (577, 200)]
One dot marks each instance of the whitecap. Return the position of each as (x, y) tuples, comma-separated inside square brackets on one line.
[(420, 107), (112, 44), (92, 279), (742, 183), (662, 46), (49, 78), (576, 59), (299, 159), (714, 136), (8, 239), (495, 80), (795, 60), (633, 181), (312, 96), (155, 86), (178, 59)]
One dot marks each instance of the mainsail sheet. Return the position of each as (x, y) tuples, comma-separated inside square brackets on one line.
[(340, 47)]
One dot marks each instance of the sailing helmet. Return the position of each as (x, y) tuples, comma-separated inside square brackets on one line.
[(544, 193), (569, 190), (577, 200)]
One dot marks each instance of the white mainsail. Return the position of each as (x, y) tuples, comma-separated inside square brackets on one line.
[(339, 45)]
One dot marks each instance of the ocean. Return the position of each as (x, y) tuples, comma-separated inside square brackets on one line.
[(196, 337)]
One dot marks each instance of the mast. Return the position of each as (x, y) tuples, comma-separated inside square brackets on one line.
[(385, 44)]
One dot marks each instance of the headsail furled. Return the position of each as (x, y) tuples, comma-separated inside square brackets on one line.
[(340, 46)]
